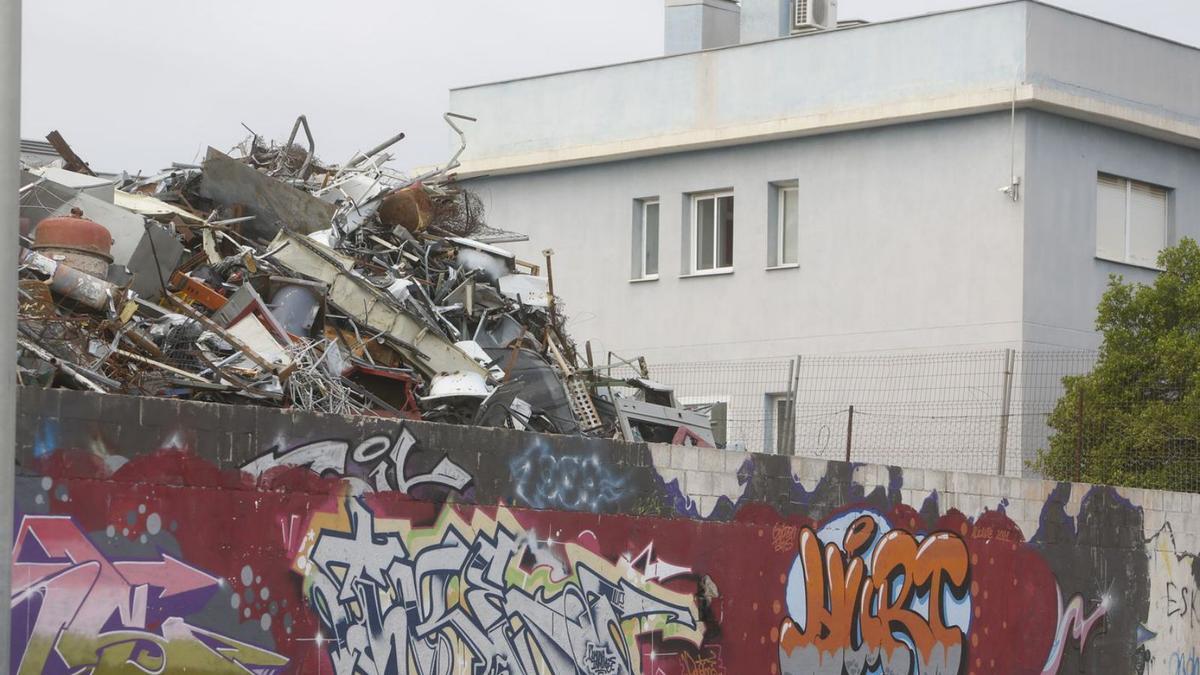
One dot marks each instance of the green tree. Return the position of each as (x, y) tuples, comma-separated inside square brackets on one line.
[(1138, 423)]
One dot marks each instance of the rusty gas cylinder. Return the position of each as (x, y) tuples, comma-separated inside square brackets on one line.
[(76, 242), (410, 208)]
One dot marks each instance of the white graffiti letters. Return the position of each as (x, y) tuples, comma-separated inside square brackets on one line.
[(393, 599), (378, 460)]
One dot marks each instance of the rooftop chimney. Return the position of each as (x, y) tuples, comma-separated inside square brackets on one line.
[(693, 25), (770, 19)]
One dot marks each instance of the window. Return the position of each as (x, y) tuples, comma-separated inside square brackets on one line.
[(778, 415), (645, 239), (783, 228), (1131, 220), (712, 232)]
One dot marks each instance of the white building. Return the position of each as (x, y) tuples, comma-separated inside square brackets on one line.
[(965, 180)]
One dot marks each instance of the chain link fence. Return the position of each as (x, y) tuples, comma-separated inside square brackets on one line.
[(974, 411)]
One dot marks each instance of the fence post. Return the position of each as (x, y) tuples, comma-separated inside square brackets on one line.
[(1079, 437), (793, 387), (849, 433), (782, 430), (1010, 356)]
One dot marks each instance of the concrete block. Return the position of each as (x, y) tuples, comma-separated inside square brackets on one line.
[(970, 505), (685, 458), (914, 479), (935, 480), (1015, 510), (1031, 489), (949, 500), (978, 484), (1153, 500), (1135, 495), (707, 504), (660, 454), (813, 468), (699, 482), (711, 459), (669, 475), (727, 484), (735, 460)]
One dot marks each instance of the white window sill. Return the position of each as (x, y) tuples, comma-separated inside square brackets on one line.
[(1152, 268), (788, 266), (707, 273), (652, 277)]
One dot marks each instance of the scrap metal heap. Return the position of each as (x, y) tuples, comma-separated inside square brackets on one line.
[(265, 276)]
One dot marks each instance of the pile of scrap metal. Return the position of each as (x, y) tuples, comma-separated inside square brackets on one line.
[(265, 276)]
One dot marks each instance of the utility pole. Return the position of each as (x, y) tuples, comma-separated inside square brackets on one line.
[(10, 153)]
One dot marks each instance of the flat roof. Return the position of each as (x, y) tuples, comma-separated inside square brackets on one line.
[(831, 31)]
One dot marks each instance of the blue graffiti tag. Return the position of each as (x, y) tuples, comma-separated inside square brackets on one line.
[(544, 480)]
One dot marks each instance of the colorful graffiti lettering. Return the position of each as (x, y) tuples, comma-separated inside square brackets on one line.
[(379, 460), (84, 612), (393, 598), (878, 598), (1072, 623)]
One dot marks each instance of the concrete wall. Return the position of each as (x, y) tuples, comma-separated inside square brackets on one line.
[(953, 63), (1063, 278), (1112, 65), (890, 216), (170, 536), (756, 89)]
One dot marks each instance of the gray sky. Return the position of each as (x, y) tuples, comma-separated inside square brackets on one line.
[(137, 84)]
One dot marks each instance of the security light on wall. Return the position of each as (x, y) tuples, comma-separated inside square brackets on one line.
[(1013, 189)]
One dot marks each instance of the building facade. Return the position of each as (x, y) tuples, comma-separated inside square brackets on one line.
[(966, 180)]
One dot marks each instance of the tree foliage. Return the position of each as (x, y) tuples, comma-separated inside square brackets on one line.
[(1135, 419)]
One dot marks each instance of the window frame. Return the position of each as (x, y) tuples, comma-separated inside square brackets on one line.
[(773, 403), (780, 192), (1128, 185), (640, 239), (694, 258)]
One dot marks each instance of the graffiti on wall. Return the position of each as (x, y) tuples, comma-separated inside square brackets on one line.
[(79, 611), (543, 563), (480, 597), (544, 479), (863, 596), (380, 460)]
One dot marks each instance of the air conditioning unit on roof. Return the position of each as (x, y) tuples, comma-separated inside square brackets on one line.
[(810, 15)]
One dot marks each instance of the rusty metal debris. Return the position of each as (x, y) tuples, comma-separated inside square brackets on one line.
[(266, 276)]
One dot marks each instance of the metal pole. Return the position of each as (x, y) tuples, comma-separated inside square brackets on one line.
[(795, 387), (10, 152), (849, 433), (1079, 437), (1010, 357), (781, 443)]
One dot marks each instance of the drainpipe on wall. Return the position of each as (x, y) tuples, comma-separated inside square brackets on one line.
[(10, 153)]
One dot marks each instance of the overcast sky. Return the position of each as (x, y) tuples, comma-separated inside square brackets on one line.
[(137, 84)]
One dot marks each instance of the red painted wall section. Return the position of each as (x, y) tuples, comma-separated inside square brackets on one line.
[(422, 553)]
